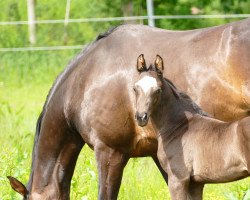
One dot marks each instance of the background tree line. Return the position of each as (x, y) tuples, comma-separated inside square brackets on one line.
[(82, 33)]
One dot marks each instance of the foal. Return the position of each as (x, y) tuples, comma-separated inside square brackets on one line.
[(192, 148)]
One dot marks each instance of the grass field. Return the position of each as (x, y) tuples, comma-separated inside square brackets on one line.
[(25, 79)]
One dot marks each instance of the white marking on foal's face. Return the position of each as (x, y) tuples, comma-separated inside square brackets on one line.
[(146, 83)]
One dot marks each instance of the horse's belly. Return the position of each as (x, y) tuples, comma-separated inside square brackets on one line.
[(221, 176), (219, 168)]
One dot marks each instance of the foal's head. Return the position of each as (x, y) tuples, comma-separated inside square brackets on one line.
[(148, 88)]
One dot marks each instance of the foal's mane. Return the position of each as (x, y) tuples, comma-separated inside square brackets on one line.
[(183, 96), (177, 93)]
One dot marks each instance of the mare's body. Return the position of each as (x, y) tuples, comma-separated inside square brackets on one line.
[(91, 101), (193, 149)]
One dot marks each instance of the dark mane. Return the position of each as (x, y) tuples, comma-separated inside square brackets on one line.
[(107, 33), (183, 96)]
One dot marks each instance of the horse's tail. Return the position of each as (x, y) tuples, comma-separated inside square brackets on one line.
[(37, 134)]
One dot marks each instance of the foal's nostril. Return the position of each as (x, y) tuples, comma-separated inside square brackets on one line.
[(141, 117), (144, 117)]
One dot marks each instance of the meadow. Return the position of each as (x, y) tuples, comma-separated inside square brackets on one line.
[(25, 79)]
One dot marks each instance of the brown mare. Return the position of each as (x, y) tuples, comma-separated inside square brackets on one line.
[(192, 148), (92, 100)]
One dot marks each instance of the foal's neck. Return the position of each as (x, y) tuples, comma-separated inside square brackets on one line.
[(173, 112)]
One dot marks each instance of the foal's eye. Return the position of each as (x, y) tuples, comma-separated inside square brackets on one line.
[(134, 89), (158, 91)]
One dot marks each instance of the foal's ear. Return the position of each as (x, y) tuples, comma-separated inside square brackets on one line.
[(159, 63), (18, 186), (141, 64)]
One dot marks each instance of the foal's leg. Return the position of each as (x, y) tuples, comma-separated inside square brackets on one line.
[(178, 182), (195, 191), (163, 173), (178, 188), (178, 179), (110, 168)]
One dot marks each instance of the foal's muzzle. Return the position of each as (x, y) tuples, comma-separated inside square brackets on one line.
[(142, 118)]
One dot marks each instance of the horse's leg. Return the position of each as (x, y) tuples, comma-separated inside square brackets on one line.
[(110, 168), (163, 173), (54, 159), (195, 190)]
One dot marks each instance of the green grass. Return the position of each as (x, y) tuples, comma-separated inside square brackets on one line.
[(25, 79)]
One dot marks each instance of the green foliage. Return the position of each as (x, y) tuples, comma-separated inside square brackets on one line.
[(206, 7), (247, 195), (82, 33), (239, 192)]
